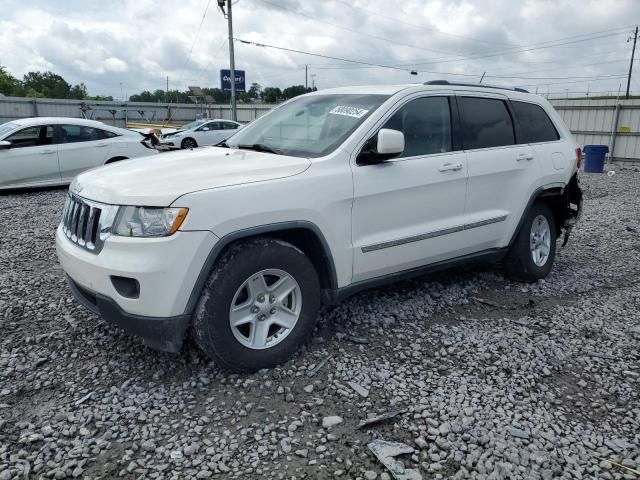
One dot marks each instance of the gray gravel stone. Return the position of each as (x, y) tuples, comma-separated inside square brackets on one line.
[(532, 385)]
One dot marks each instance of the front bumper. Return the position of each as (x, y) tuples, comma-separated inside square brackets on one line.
[(165, 270), (161, 333), (169, 143)]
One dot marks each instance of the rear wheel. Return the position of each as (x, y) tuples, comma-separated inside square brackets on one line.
[(188, 143), (532, 254), (258, 306)]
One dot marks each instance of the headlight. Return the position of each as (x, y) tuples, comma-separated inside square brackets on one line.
[(148, 221)]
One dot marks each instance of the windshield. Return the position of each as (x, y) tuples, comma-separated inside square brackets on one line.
[(7, 127), (308, 126), (191, 125)]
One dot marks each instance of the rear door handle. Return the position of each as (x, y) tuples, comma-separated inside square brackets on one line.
[(450, 167), (100, 145), (47, 152), (523, 156)]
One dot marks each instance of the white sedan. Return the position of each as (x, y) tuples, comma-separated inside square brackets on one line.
[(38, 152), (199, 133)]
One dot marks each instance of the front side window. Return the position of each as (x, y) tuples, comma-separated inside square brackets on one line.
[(32, 137), (229, 126), (79, 133), (426, 125), (310, 126), (486, 122), (535, 124)]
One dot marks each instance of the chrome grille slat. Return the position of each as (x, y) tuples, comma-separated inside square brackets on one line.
[(82, 222)]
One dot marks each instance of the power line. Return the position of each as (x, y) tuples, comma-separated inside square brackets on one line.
[(357, 32), (193, 41), (258, 44)]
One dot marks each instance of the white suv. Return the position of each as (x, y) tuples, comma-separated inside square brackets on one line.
[(330, 193)]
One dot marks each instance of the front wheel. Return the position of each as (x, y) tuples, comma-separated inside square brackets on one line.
[(188, 143), (258, 306), (532, 254)]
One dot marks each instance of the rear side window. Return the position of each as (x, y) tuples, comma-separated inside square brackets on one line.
[(79, 133), (535, 124), (486, 122)]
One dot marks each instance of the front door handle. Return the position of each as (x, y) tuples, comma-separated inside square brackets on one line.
[(47, 152), (523, 156), (450, 167), (100, 145)]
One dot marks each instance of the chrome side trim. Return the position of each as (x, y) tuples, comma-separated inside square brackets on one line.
[(482, 223), (437, 233)]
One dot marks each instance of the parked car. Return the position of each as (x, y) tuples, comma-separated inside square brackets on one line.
[(43, 151), (330, 193), (200, 133)]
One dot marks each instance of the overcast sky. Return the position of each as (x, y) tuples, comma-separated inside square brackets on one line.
[(138, 43)]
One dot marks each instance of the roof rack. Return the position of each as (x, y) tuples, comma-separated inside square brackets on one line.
[(447, 82)]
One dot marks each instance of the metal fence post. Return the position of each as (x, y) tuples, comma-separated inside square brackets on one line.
[(614, 131)]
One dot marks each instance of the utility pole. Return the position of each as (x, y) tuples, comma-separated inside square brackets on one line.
[(633, 52), (166, 99), (232, 62), (306, 77)]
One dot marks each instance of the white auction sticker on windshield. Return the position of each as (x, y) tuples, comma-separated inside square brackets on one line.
[(349, 111)]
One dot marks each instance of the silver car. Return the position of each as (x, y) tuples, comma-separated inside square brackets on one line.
[(200, 133)]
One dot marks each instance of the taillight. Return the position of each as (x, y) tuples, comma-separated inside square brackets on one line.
[(578, 157)]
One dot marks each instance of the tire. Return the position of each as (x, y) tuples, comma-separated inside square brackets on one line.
[(243, 266), (520, 264), (188, 143)]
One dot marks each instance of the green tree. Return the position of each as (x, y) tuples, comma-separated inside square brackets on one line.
[(255, 91), (9, 85), (272, 94), (294, 91), (104, 98), (78, 92), (49, 84)]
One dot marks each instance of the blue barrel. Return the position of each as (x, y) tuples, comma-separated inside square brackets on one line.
[(594, 158)]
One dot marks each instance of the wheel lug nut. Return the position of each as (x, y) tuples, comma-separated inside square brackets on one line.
[(272, 298), (261, 298), (254, 309), (262, 318), (273, 311)]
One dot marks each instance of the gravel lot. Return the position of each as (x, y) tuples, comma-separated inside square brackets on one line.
[(491, 379)]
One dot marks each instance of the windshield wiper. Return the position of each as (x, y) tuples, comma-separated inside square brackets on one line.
[(259, 147), (222, 144)]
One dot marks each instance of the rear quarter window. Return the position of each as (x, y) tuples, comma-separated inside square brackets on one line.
[(535, 125)]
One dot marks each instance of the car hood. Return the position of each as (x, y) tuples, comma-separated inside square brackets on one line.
[(158, 180)]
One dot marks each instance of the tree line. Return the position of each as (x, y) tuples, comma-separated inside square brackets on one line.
[(43, 85), (255, 93), (52, 85)]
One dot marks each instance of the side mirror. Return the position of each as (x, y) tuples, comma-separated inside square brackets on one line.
[(5, 144), (387, 144)]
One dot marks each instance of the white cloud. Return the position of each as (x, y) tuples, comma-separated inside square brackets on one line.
[(140, 42)]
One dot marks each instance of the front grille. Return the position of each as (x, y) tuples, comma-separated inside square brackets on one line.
[(81, 222)]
